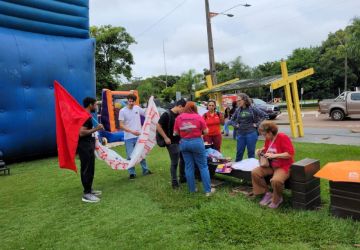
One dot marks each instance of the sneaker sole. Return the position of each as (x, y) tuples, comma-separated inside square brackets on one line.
[(89, 201)]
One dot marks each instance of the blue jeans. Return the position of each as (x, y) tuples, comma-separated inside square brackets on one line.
[(246, 140), (130, 145), (226, 127), (193, 151)]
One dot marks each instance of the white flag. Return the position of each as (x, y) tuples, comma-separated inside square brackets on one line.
[(147, 138), (113, 159), (145, 143)]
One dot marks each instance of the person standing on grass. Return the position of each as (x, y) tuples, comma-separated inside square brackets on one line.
[(213, 121), (130, 123), (231, 113), (85, 149), (280, 151), (226, 119), (246, 119), (165, 127), (190, 126)]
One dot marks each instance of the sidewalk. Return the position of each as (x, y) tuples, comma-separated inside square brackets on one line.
[(322, 135), (326, 135)]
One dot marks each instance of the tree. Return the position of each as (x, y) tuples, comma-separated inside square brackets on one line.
[(145, 90), (186, 85), (338, 46), (317, 85), (267, 69), (240, 69), (353, 49), (112, 55), (228, 71)]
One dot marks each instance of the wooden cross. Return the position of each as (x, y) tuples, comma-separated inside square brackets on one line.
[(292, 97)]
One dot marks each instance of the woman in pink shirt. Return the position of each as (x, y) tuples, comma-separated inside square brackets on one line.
[(191, 126)]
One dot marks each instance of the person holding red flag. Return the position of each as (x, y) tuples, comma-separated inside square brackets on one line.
[(74, 131), (85, 149)]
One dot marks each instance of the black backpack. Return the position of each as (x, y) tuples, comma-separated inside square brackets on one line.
[(159, 139)]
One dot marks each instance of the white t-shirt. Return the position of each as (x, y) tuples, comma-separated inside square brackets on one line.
[(131, 119)]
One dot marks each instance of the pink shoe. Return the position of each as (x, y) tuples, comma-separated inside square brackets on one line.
[(276, 205), (266, 199)]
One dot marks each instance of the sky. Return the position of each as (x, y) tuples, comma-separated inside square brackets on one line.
[(269, 30)]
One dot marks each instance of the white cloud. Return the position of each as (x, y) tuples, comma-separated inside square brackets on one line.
[(267, 31)]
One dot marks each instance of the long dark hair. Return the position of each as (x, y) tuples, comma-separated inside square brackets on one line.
[(246, 99)]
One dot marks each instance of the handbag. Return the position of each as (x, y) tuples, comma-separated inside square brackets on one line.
[(263, 161)]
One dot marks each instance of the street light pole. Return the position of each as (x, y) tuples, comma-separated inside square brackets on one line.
[(210, 44), (210, 39)]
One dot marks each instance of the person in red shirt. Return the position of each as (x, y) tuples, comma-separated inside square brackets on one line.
[(280, 151), (213, 121), (191, 126)]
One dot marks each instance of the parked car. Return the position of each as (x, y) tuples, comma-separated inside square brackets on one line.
[(272, 110), (346, 104)]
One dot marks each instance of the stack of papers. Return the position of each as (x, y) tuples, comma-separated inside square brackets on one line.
[(246, 165)]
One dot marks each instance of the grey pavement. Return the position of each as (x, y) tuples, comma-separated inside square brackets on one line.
[(322, 135), (337, 136)]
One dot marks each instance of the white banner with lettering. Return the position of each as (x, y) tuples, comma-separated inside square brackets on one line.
[(142, 148)]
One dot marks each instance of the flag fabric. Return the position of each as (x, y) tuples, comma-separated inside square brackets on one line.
[(147, 138), (113, 159), (142, 148), (70, 116)]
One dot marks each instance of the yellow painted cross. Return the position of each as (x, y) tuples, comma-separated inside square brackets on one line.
[(218, 95), (292, 97)]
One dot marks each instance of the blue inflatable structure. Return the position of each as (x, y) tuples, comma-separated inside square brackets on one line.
[(40, 41)]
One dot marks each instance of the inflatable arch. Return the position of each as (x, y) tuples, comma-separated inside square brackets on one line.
[(41, 41), (112, 102)]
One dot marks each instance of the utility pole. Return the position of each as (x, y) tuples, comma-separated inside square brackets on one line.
[(165, 64), (210, 44)]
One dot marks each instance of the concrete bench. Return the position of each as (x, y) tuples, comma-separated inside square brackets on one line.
[(305, 188)]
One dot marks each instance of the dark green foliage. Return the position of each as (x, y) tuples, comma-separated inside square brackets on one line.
[(113, 57)]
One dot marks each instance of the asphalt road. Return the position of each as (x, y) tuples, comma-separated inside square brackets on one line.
[(319, 128)]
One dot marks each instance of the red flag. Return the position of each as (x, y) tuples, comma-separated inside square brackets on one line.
[(70, 117)]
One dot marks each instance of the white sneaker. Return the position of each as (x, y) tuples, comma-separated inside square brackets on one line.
[(211, 192), (96, 192), (90, 198)]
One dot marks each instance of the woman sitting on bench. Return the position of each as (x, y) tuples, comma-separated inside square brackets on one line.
[(279, 150)]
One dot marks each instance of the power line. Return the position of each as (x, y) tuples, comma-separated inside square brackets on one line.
[(162, 18)]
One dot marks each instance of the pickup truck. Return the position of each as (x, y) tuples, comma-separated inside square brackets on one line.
[(346, 104)]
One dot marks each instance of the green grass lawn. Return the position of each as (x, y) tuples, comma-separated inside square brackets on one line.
[(41, 208)]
